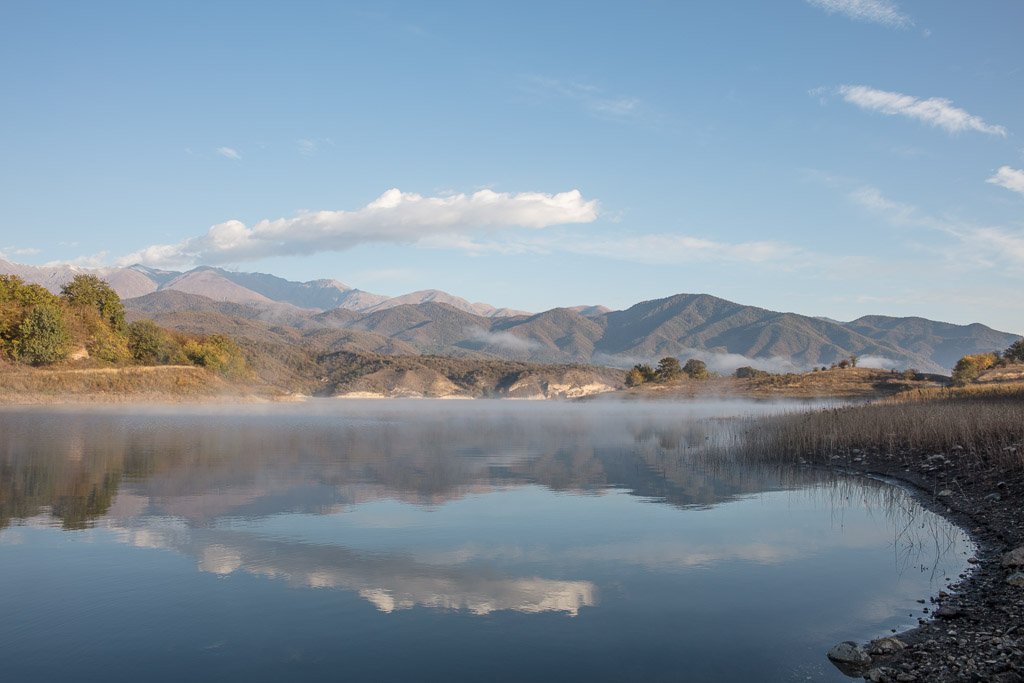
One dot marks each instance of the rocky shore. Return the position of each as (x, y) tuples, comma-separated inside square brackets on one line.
[(974, 631)]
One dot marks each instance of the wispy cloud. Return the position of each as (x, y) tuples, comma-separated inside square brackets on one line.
[(935, 111), (310, 146), (884, 12), (976, 246), (20, 251), (593, 99), (395, 217), (228, 153), (672, 248), (98, 260), (649, 248), (1010, 178)]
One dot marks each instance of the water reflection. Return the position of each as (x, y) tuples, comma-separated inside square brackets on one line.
[(202, 467), (611, 519)]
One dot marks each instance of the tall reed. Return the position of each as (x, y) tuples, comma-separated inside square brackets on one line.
[(985, 427)]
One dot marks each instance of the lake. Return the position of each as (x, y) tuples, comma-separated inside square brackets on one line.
[(440, 541)]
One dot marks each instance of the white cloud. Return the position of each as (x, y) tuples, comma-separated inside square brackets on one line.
[(935, 111), (1010, 178), (883, 12), (395, 217), (229, 153)]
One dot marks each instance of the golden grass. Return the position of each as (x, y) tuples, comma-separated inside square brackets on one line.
[(25, 385), (985, 426)]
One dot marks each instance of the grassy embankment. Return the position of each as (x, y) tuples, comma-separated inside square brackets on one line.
[(109, 385)]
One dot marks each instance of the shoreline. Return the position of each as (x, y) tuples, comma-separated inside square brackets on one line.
[(976, 630)]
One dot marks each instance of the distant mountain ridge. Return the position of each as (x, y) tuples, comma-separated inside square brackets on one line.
[(225, 285), (723, 333)]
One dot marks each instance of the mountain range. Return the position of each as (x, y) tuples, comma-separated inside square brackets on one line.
[(338, 318)]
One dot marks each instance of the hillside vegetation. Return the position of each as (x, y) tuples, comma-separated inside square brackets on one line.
[(86, 324)]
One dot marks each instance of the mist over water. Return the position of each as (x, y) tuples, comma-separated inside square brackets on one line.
[(440, 540)]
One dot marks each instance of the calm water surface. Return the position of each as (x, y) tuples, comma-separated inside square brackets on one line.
[(440, 541)]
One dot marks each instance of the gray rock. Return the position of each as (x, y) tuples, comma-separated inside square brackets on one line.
[(1014, 558), (947, 612), (849, 652), (945, 493), (886, 646), (1016, 579), (876, 675)]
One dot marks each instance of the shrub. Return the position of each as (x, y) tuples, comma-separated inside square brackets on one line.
[(218, 353), (696, 369)]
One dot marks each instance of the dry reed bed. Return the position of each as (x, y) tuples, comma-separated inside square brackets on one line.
[(985, 425)]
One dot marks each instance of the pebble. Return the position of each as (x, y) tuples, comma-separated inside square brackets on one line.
[(1014, 558)]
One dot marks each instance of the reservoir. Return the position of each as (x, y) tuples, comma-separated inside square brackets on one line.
[(441, 541)]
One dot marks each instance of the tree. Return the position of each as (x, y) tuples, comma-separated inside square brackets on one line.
[(150, 344), (668, 369), (18, 300), (91, 292), (218, 353), (853, 360), (1015, 352), (43, 335), (635, 377), (968, 368), (843, 364), (696, 369)]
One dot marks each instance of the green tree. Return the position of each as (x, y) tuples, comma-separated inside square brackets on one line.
[(668, 369), (696, 369), (91, 292), (150, 344), (1015, 352), (17, 299), (43, 335)]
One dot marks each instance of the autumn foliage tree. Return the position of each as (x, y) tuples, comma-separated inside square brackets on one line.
[(968, 368)]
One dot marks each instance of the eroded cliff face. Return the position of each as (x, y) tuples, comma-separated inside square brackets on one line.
[(539, 384)]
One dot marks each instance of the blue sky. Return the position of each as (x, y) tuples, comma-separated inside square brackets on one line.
[(829, 157)]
